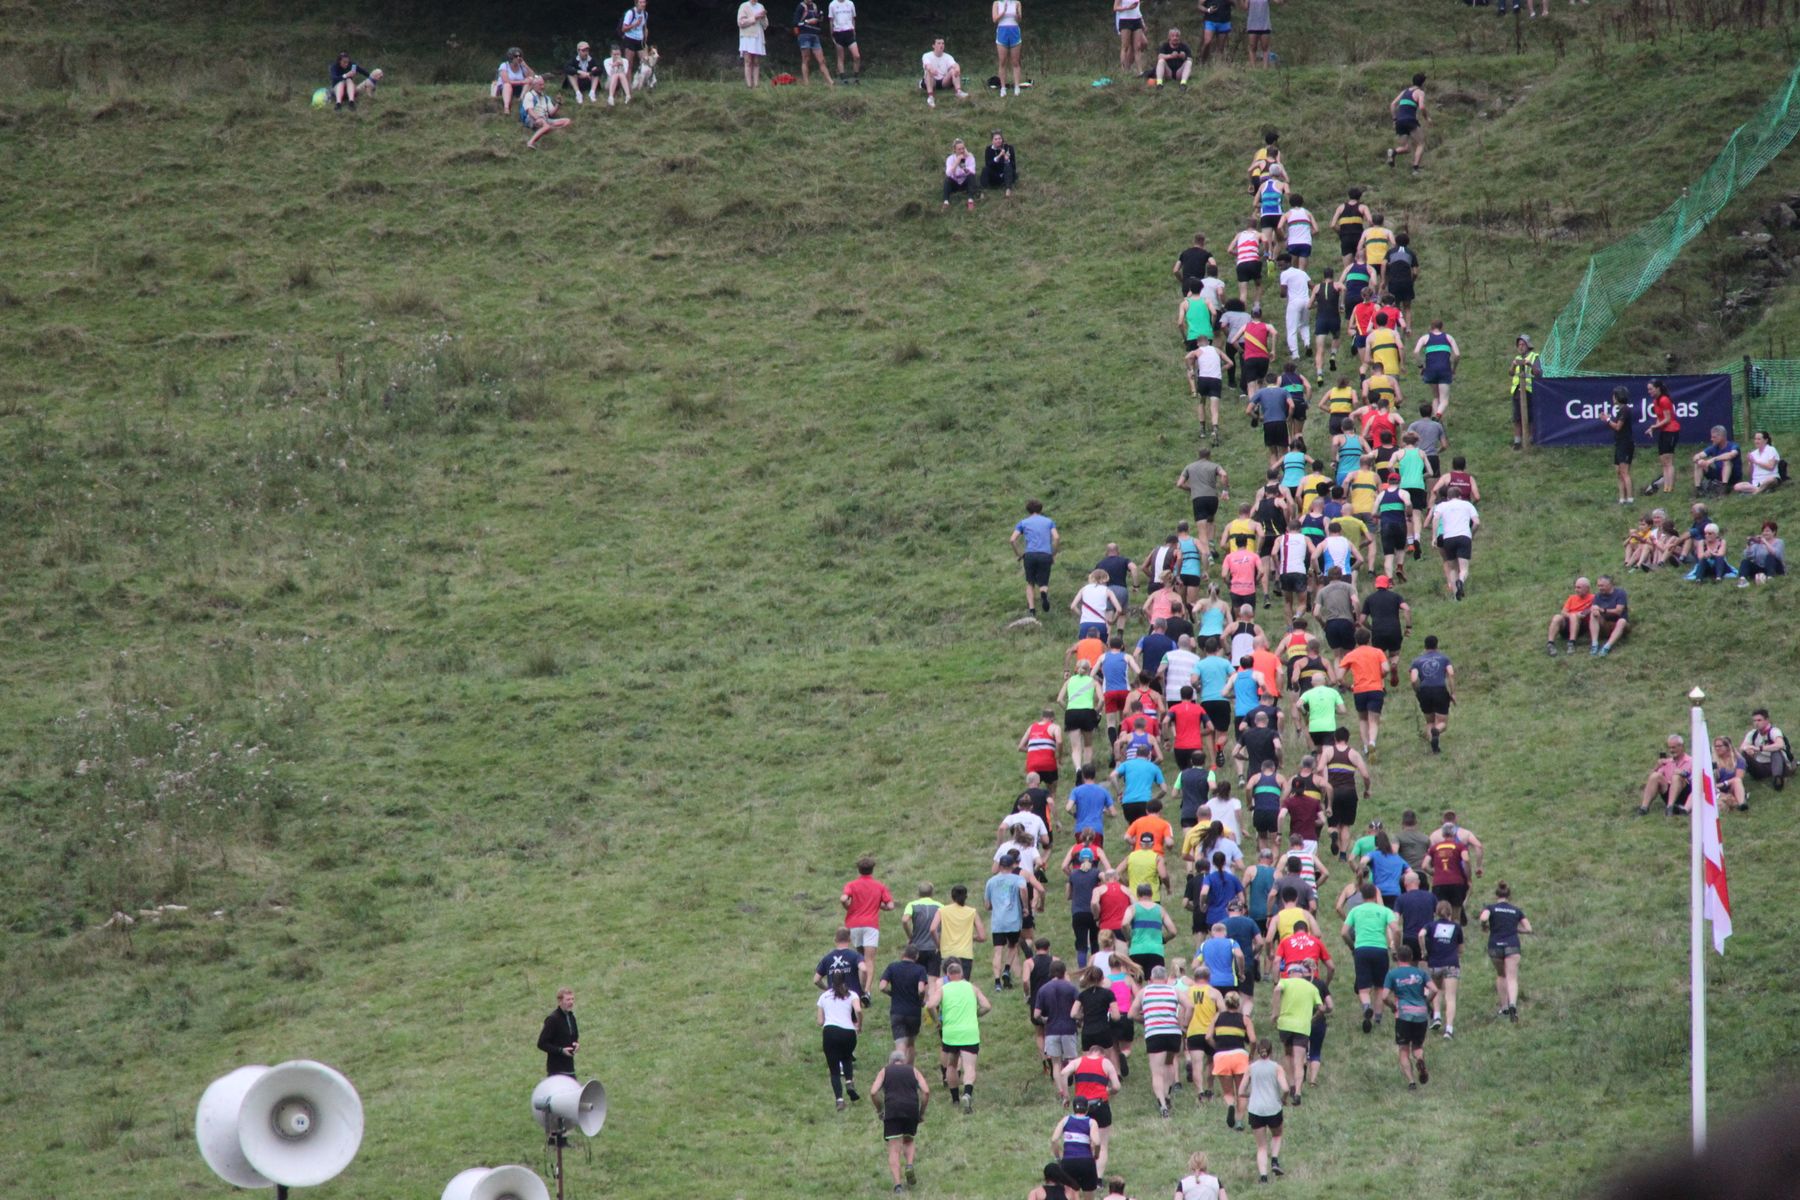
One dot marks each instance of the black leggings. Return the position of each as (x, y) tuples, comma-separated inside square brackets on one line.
[(1087, 934), (953, 186), (840, 1056)]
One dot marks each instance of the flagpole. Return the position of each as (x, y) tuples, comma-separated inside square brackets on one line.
[(1696, 948)]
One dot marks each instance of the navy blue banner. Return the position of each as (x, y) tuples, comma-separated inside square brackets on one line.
[(1573, 411)]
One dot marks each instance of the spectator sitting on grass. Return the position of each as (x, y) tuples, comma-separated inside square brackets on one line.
[(538, 110), (1765, 749), (1640, 544), (1002, 168), (1716, 466), (1572, 618), (582, 71), (1669, 779), (1609, 618), (1765, 465), (343, 82), (1765, 554), (618, 76), (1709, 554), (941, 71), (513, 79), (959, 173), (1728, 774)]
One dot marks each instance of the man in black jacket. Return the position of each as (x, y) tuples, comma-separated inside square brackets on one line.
[(561, 1036)]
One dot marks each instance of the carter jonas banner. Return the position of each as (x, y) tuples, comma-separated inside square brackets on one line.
[(1573, 411)]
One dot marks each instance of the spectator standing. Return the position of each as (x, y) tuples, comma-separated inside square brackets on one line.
[(1526, 369), (842, 14), (752, 25), (634, 33), (561, 1035), (1007, 36), (809, 31), (1667, 429), (1618, 419)]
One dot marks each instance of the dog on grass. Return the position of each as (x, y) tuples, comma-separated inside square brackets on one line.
[(645, 79)]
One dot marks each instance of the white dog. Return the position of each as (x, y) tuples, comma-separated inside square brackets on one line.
[(645, 78)]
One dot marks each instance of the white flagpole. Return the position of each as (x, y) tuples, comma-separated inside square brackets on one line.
[(1696, 944)]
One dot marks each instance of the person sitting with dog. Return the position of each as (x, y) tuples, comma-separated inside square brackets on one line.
[(959, 173), (513, 79), (618, 75), (941, 71), (343, 82), (583, 71), (1002, 167), (538, 110)]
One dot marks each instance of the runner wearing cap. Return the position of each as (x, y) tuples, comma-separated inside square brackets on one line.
[(1297, 1005)]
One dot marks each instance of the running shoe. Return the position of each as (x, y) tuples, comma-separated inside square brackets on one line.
[(1424, 1075), (911, 1178), (1368, 1019)]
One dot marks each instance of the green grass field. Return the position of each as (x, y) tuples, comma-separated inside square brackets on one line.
[(453, 571)]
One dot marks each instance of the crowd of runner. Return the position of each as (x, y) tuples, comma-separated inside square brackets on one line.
[(1207, 769)]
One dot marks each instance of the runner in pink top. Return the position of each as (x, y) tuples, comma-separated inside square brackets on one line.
[(1243, 570), (865, 898)]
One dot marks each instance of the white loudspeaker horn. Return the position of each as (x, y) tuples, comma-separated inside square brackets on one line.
[(496, 1183), (560, 1098), (216, 1128), (296, 1124)]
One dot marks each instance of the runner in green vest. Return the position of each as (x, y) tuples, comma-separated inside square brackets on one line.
[(960, 1006)]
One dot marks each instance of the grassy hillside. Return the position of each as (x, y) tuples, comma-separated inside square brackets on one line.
[(452, 571)]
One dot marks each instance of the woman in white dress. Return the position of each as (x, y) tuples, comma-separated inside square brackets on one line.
[(752, 21)]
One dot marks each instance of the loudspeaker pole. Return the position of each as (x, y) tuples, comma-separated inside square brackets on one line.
[(559, 1139)]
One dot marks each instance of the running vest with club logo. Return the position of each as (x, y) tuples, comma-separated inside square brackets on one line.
[(1090, 1078), (1040, 747)]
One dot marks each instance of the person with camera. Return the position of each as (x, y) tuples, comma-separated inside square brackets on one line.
[(561, 1035)]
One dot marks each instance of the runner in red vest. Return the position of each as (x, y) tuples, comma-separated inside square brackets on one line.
[(1042, 745), (1093, 1078)]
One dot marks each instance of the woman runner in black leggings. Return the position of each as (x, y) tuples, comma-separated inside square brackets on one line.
[(840, 1016)]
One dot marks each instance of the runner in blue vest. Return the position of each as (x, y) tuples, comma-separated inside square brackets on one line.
[(1438, 354)]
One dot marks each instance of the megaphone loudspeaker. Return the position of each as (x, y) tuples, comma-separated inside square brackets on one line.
[(496, 1183), (296, 1124), (579, 1105), (216, 1128)]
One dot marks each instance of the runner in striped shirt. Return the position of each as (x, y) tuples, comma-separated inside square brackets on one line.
[(1247, 253), (1164, 1010)]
